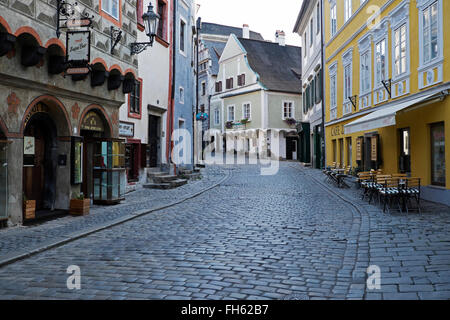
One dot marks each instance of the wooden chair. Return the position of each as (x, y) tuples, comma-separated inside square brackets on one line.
[(377, 186), (411, 190), (389, 192)]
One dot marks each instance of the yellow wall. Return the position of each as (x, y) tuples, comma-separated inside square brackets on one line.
[(418, 120)]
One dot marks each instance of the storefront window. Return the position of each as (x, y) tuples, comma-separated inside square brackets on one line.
[(3, 181), (349, 152), (109, 171), (438, 154)]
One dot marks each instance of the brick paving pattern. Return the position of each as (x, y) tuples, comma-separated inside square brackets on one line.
[(252, 237)]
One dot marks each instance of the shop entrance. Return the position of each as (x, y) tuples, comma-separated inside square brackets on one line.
[(40, 160), (104, 176), (291, 148), (3, 178), (154, 140), (404, 163)]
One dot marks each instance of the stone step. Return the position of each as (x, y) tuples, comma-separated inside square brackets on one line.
[(164, 178), (157, 186), (152, 174), (178, 183), (168, 185), (191, 176)]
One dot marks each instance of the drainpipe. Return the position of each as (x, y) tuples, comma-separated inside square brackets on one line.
[(322, 44), (172, 95)]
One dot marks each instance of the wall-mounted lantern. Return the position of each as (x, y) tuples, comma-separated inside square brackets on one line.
[(151, 22)]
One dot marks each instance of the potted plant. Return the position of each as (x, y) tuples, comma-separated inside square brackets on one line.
[(80, 206), (29, 208), (290, 121), (229, 125)]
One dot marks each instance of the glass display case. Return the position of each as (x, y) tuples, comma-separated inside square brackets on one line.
[(3, 180), (109, 171)]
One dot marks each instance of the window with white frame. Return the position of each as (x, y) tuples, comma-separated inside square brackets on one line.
[(333, 96), (182, 95), (304, 44), (182, 36), (380, 62), (400, 47), (311, 32), (430, 33), (333, 21), (318, 18), (347, 87), (230, 113), (216, 116), (365, 72), (246, 111), (347, 9), (288, 110), (111, 7)]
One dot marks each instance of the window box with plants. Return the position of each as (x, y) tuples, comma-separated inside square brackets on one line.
[(80, 206), (290, 121), (229, 124), (29, 208)]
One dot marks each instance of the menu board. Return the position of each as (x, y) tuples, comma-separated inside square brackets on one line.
[(77, 161), (359, 146), (374, 148)]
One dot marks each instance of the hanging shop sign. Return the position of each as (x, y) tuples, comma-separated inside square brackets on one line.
[(76, 158), (374, 148), (126, 129), (92, 122), (359, 146), (76, 23), (78, 44)]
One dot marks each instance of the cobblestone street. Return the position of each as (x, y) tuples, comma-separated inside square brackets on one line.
[(287, 236)]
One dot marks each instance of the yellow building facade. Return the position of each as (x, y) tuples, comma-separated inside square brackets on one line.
[(388, 77)]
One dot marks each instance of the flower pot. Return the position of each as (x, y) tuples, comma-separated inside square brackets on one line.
[(80, 207), (29, 209)]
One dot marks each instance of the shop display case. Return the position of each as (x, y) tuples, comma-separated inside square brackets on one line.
[(109, 171)]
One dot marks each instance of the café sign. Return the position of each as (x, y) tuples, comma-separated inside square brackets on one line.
[(78, 44), (126, 129)]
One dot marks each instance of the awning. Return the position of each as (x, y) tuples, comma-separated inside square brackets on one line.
[(381, 118)]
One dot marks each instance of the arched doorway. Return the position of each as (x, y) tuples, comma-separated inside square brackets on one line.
[(103, 159), (46, 152), (40, 159)]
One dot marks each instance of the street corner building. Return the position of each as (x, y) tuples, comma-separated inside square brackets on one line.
[(309, 27), (386, 88), (144, 115), (58, 130), (183, 84), (257, 102)]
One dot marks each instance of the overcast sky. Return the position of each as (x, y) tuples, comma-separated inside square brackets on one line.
[(263, 16)]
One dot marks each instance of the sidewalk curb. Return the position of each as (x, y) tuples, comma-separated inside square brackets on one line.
[(82, 234)]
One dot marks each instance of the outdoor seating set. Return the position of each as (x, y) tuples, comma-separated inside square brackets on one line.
[(390, 189), (337, 174)]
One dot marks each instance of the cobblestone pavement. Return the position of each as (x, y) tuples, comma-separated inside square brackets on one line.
[(22, 238), (252, 237)]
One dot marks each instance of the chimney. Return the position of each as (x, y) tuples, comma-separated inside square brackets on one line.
[(245, 31), (280, 38)]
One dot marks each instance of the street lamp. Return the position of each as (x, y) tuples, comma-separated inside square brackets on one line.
[(151, 22)]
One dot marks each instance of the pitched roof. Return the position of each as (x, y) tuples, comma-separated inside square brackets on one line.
[(279, 67), (215, 51), (218, 29)]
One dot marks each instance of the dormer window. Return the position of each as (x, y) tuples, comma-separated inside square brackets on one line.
[(241, 80), (229, 84)]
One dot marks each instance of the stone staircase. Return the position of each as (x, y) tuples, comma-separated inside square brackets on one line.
[(163, 180), (190, 174)]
